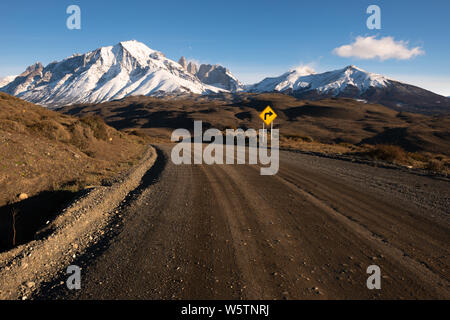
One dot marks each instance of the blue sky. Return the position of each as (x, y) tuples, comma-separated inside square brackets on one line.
[(254, 39)]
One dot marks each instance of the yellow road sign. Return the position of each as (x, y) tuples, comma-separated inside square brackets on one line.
[(268, 115)]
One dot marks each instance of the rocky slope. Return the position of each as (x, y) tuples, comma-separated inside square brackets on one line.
[(214, 75)]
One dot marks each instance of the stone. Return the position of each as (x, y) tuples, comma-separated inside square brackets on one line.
[(23, 196)]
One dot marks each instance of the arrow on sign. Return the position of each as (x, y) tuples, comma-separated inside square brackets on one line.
[(270, 113)]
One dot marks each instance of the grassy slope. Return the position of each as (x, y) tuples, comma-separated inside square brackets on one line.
[(329, 125), (42, 150), (329, 121)]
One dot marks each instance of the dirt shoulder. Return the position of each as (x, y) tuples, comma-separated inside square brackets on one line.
[(79, 226)]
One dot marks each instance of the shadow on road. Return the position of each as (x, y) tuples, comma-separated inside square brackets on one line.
[(56, 289)]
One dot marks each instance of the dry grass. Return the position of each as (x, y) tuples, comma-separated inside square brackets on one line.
[(97, 125), (423, 160), (437, 165), (432, 162), (42, 150), (328, 121), (389, 153), (306, 143)]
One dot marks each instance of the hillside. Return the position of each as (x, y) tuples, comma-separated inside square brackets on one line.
[(330, 121), (47, 158)]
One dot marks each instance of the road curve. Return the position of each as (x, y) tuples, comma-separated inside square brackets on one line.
[(309, 232)]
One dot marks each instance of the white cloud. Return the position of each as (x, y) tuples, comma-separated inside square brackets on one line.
[(304, 70), (382, 49), (194, 61)]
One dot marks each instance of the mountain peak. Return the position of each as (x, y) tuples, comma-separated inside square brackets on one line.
[(333, 83), (303, 70), (192, 68), (356, 83), (137, 49), (219, 76), (128, 42), (37, 67), (182, 62), (354, 68), (107, 73)]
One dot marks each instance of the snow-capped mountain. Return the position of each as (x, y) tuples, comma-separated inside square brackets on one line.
[(132, 68), (332, 82), (107, 73), (4, 81), (353, 82)]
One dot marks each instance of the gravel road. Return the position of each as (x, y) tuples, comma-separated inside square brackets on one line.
[(309, 232)]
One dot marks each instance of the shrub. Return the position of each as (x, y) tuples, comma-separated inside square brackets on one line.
[(419, 156), (388, 153), (139, 133), (78, 138), (300, 138), (97, 125), (435, 165)]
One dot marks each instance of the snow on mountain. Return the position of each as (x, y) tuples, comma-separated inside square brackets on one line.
[(131, 68), (332, 82), (355, 83), (107, 73), (287, 81), (6, 80)]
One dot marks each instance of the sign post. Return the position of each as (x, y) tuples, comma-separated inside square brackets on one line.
[(267, 116)]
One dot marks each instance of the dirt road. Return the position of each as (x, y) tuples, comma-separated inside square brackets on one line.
[(310, 232)]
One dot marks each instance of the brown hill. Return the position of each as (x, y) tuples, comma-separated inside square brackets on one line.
[(41, 149), (328, 121), (47, 157)]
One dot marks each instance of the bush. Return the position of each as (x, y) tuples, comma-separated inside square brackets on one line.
[(300, 138), (388, 153), (97, 125), (139, 133), (435, 165), (419, 156), (49, 129), (78, 138)]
